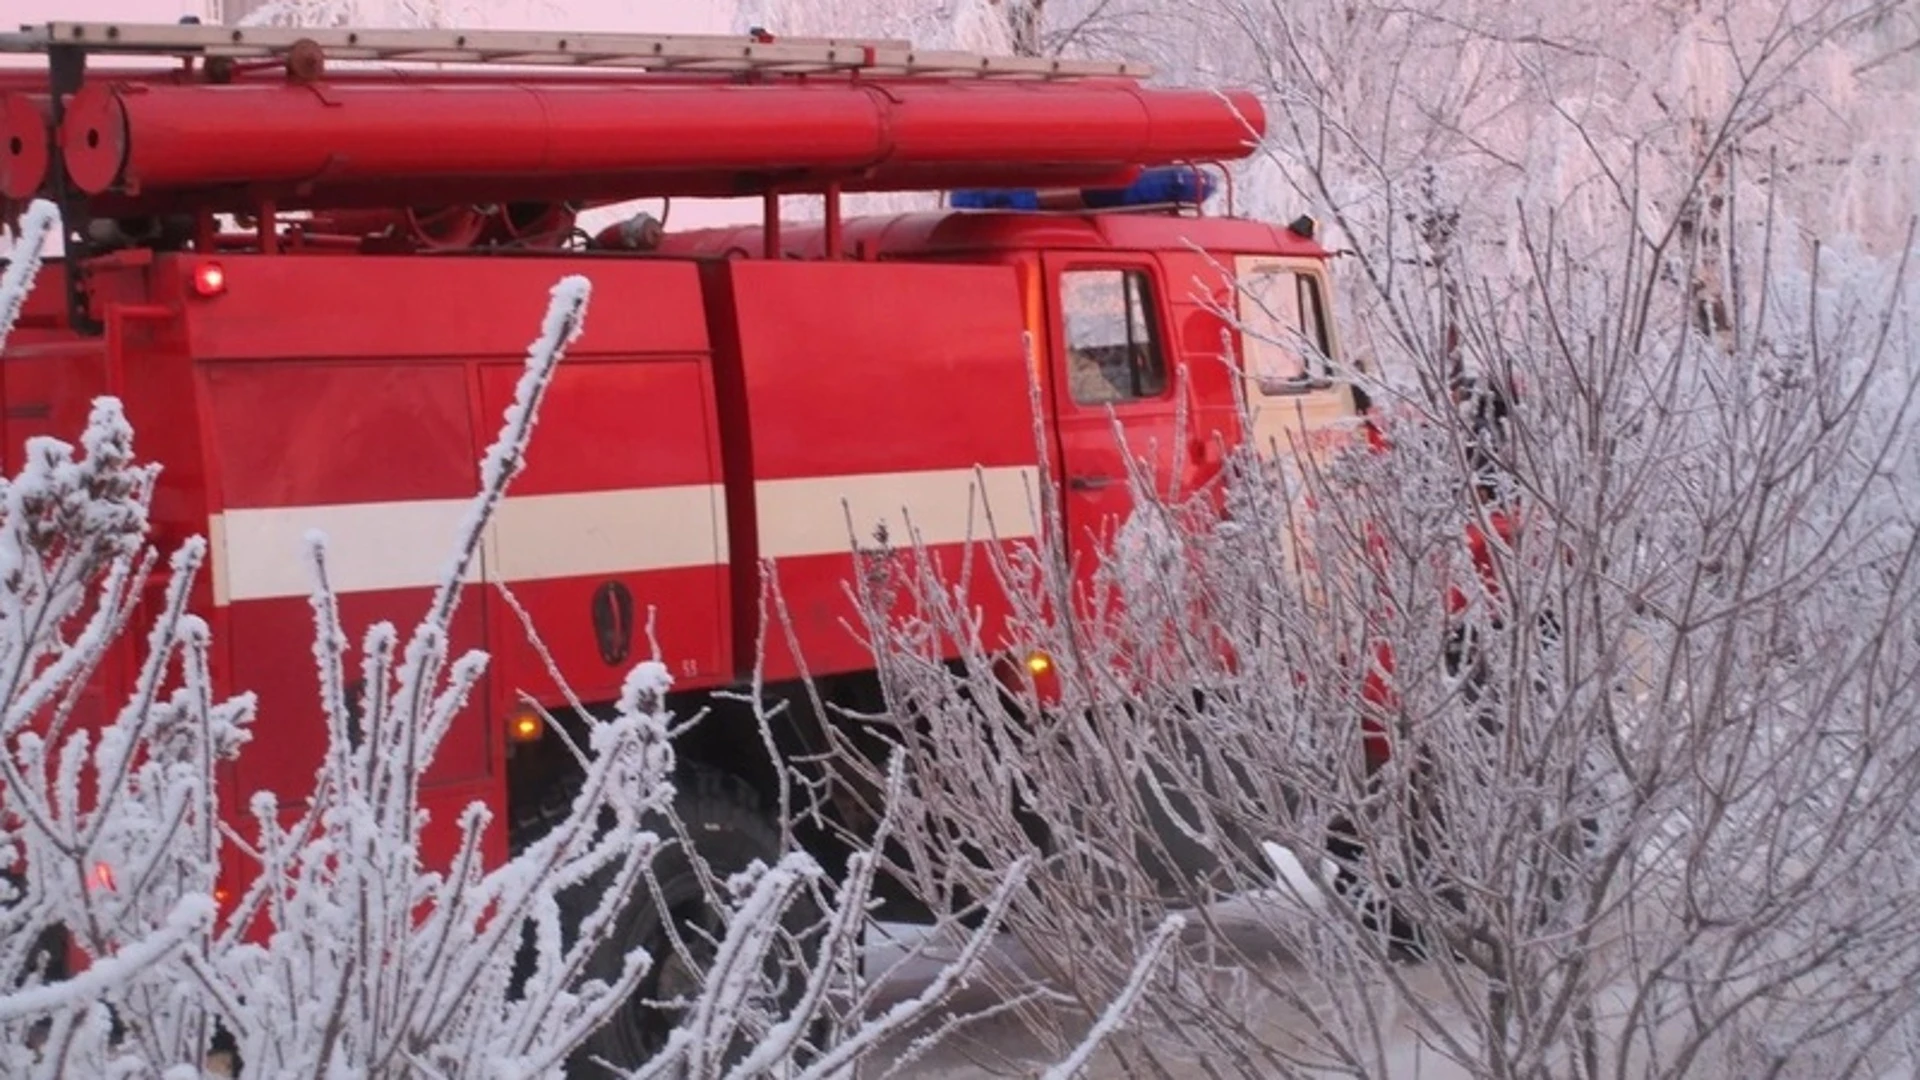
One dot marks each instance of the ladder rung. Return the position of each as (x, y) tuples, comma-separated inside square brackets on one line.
[(645, 52)]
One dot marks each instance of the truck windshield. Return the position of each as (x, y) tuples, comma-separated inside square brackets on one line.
[(1282, 328)]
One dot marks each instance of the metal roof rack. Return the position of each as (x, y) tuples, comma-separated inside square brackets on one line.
[(676, 53)]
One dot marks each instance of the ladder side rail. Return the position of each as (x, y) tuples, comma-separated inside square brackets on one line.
[(540, 48)]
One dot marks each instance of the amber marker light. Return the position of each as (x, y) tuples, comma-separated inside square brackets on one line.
[(525, 727), (1039, 663)]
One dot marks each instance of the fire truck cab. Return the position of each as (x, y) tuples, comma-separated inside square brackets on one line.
[(314, 315), (1120, 294)]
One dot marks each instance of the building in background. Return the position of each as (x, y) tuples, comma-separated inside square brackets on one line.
[(388, 13), (231, 11)]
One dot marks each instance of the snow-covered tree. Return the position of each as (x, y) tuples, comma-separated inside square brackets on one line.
[(1627, 593), (1414, 131)]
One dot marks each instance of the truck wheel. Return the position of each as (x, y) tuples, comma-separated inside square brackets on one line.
[(730, 829), (1405, 941), (47, 959)]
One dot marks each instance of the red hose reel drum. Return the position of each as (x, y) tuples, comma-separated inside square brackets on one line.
[(24, 155), (299, 143)]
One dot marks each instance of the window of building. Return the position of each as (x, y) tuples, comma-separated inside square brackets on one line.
[(1113, 338)]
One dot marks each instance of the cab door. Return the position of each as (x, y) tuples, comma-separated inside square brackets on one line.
[(1114, 390), (1296, 401)]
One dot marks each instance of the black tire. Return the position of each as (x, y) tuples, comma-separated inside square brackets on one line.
[(730, 828), (1182, 868), (46, 961), (1405, 940), (48, 957)]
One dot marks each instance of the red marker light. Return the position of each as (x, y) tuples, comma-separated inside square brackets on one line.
[(209, 279)]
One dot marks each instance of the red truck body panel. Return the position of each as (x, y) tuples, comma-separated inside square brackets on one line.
[(900, 389), (363, 412), (721, 424), (712, 420)]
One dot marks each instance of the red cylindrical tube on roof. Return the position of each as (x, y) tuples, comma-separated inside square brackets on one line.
[(160, 138), (153, 139), (24, 156), (1049, 124)]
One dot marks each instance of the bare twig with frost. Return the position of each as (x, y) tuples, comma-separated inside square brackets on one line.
[(29, 246), (344, 953), (1629, 593)]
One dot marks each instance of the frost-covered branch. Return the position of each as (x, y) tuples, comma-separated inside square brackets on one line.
[(342, 951), (1627, 592), (36, 225)]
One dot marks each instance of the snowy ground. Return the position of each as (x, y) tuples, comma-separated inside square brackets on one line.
[(1001, 1048)]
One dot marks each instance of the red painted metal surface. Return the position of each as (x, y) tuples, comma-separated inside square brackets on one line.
[(24, 153), (306, 142), (614, 425), (369, 428), (877, 384), (399, 308)]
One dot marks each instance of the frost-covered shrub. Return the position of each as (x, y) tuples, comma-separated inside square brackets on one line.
[(345, 954), (1644, 649)]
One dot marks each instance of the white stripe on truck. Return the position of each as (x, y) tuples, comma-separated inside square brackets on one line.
[(824, 515), (259, 554)]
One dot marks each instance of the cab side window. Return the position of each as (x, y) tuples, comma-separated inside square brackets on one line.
[(1113, 339), (1283, 328)]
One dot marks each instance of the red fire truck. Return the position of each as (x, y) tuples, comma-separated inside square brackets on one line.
[(308, 263)]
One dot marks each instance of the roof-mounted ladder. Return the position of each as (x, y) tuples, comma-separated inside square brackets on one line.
[(676, 53)]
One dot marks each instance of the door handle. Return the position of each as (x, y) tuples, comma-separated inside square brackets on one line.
[(1089, 483)]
